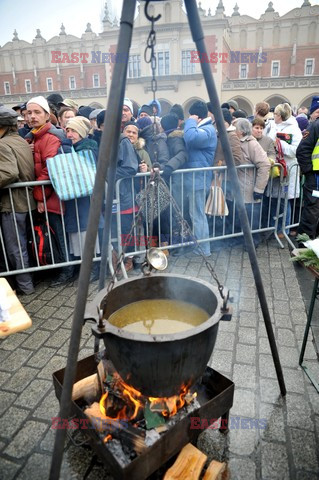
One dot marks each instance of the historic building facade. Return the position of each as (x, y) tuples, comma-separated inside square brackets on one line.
[(272, 58)]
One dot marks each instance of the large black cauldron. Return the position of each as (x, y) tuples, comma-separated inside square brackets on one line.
[(158, 365)]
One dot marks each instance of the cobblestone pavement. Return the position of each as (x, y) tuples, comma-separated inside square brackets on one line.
[(286, 449)]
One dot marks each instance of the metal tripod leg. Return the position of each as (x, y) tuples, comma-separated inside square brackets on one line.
[(198, 38), (106, 170), (315, 294)]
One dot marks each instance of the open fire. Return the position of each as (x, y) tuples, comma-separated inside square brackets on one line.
[(123, 402), (133, 448)]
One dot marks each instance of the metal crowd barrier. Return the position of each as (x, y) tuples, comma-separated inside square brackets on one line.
[(170, 236)]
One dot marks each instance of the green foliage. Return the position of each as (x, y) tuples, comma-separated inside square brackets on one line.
[(308, 258)]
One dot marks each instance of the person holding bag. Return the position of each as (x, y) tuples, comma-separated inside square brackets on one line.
[(77, 131)]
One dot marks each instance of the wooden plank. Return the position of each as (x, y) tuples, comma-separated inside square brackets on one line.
[(188, 464), (19, 319), (216, 471)]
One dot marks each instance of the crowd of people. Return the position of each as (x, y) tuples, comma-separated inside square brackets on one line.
[(177, 140)]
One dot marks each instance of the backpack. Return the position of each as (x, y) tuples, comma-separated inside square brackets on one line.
[(40, 244), (280, 157)]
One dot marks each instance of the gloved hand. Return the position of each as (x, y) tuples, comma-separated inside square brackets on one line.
[(258, 197), (167, 172)]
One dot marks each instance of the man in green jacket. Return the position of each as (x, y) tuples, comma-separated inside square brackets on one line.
[(16, 165)]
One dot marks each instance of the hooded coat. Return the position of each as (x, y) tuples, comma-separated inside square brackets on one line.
[(47, 141), (201, 142), (250, 182), (290, 126), (155, 145), (16, 165), (127, 166), (83, 204)]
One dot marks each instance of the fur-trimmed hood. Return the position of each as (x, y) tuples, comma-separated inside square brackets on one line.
[(139, 144), (176, 133)]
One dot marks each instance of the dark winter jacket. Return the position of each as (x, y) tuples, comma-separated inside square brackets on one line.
[(83, 204), (156, 146), (23, 131), (304, 152), (201, 141), (16, 165), (97, 135), (127, 166)]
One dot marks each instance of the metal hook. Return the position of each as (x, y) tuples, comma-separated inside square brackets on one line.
[(150, 18)]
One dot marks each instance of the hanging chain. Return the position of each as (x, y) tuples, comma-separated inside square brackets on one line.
[(149, 54)]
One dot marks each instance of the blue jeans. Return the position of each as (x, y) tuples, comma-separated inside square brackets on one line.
[(199, 219)]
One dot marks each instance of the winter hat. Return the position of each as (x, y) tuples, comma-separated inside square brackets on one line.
[(178, 110), (143, 122), (169, 122), (225, 105), (84, 111), (68, 102), (80, 124), (100, 118), (17, 107), (233, 103), (8, 117), (40, 101), (314, 104), (131, 124), (227, 115), (239, 114), (199, 108), (145, 109), (302, 121), (55, 98), (127, 102), (93, 115)]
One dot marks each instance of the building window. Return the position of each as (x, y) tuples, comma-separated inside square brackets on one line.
[(275, 68), (49, 84), (134, 66), (243, 70), (162, 63), (7, 89), (187, 67), (27, 84), (309, 66), (96, 80), (72, 84)]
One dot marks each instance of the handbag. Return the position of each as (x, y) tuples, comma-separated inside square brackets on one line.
[(216, 204), (280, 157), (154, 196), (72, 174)]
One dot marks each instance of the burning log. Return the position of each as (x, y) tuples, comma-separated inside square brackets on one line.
[(129, 436), (188, 464), (88, 387), (216, 471)]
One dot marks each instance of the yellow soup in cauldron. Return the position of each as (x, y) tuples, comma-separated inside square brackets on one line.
[(158, 317)]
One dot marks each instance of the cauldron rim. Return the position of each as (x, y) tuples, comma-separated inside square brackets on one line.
[(168, 337)]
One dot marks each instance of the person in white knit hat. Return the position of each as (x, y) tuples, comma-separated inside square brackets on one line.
[(127, 113), (45, 140)]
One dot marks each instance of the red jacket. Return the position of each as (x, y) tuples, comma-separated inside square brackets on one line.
[(46, 145)]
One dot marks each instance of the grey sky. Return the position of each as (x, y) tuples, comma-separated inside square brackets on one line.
[(26, 17)]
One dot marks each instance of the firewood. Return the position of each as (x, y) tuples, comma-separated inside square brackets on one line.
[(88, 387), (188, 464), (130, 436), (216, 471)]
